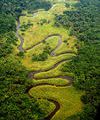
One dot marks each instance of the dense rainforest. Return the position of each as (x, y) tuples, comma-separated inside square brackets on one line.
[(14, 101), (83, 23)]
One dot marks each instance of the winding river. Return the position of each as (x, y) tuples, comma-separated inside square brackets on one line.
[(20, 48), (32, 73)]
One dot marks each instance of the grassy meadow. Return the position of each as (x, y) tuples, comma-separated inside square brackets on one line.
[(68, 98), (34, 28)]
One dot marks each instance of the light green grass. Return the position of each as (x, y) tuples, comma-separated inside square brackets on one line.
[(53, 73), (67, 46), (52, 42), (41, 32), (42, 65), (46, 106), (56, 81), (58, 8), (68, 98), (38, 32)]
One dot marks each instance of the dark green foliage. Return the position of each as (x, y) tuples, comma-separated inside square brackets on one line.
[(7, 23), (43, 56), (86, 69), (21, 54), (65, 41), (86, 65), (11, 68), (84, 22), (5, 49), (43, 21), (15, 103), (62, 20), (33, 5), (9, 12), (89, 113), (15, 7), (6, 42), (24, 27), (47, 49), (67, 5)]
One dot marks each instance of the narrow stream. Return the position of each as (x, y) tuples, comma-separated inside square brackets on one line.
[(32, 73)]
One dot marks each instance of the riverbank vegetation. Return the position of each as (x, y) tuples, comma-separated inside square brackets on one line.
[(56, 76), (15, 103), (84, 24)]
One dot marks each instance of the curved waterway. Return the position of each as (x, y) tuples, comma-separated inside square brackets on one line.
[(32, 73)]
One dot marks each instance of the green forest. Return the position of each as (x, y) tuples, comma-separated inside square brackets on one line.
[(35, 75)]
